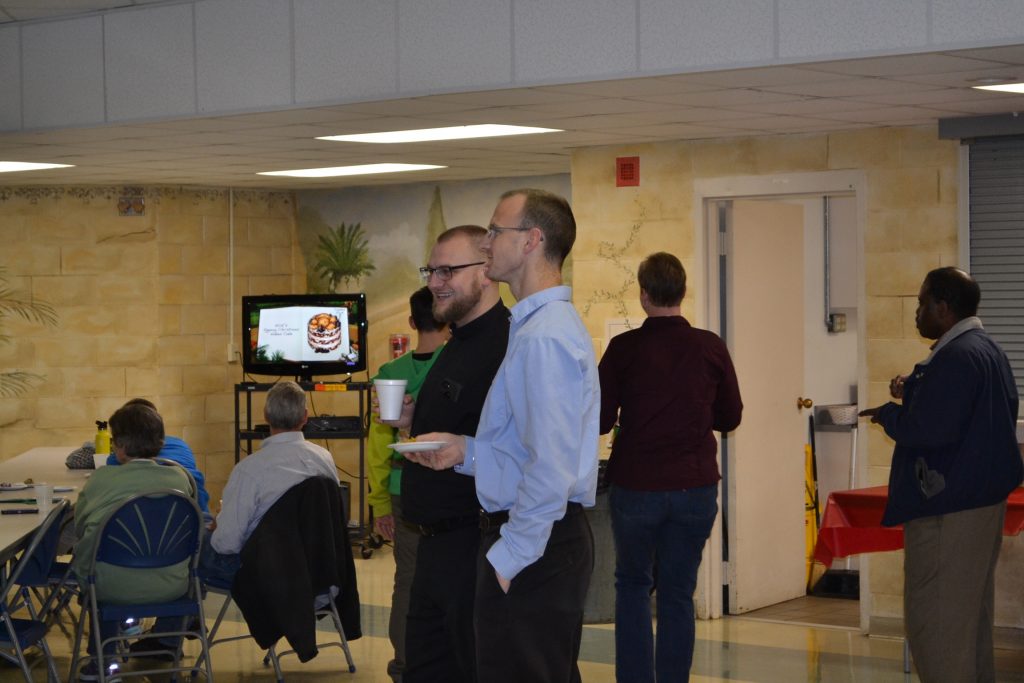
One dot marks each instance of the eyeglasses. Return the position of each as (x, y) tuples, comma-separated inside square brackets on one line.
[(494, 230), (444, 273)]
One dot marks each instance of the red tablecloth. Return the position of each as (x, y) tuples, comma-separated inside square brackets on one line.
[(852, 523)]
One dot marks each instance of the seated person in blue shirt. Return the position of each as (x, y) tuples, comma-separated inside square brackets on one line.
[(177, 451)]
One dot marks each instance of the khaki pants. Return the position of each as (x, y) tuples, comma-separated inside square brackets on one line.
[(949, 593)]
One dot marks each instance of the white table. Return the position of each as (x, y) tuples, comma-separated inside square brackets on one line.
[(42, 465)]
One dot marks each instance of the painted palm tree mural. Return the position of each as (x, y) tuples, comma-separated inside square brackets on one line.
[(15, 382), (343, 255)]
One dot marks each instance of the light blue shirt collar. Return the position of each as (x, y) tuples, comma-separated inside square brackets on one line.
[(523, 309)]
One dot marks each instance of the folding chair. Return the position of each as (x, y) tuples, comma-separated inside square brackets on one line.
[(220, 587), (323, 603), (18, 634), (147, 531), (46, 578)]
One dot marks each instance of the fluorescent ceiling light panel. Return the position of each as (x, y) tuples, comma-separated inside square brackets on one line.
[(365, 169), (484, 130), (16, 166), (1005, 87)]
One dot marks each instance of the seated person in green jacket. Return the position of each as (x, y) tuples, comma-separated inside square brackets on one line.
[(137, 433)]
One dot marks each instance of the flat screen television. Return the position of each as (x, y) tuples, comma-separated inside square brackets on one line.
[(304, 335)]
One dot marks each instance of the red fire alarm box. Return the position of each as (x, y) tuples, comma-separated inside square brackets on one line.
[(627, 171)]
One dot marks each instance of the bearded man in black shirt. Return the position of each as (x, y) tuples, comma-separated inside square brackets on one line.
[(441, 506)]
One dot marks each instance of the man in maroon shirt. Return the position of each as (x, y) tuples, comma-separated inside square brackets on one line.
[(670, 386)]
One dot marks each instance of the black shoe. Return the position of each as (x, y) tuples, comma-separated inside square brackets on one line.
[(152, 648)]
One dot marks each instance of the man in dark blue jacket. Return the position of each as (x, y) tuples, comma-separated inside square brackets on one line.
[(956, 460)]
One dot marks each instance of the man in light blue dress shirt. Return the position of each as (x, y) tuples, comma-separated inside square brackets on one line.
[(534, 455)]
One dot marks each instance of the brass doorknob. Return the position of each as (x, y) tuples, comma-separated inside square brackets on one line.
[(804, 403)]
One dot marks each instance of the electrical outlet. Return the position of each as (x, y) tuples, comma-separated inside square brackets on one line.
[(232, 353)]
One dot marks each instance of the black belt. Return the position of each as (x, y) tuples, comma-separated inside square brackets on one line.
[(444, 526), (493, 520)]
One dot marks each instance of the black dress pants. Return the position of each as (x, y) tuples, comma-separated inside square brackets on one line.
[(533, 632), (439, 642)]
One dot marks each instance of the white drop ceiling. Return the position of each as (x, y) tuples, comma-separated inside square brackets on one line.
[(229, 150)]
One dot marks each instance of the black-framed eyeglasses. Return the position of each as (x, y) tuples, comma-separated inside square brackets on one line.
[(495, 230), (444, 273)]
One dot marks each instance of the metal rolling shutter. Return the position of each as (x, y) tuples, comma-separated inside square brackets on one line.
[(997, 241)]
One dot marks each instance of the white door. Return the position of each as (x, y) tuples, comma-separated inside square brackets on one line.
[(765, 468)]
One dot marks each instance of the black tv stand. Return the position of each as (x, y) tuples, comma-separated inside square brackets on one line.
[(323, 428)]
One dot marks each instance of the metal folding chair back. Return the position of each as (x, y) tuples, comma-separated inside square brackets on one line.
[(48, 579), (153, 530), (16, 634)]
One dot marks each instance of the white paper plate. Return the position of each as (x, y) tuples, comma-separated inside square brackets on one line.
[(417, 446), (13, 487), (63, 489)]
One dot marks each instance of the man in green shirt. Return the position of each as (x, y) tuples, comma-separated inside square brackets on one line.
[(385, 466)]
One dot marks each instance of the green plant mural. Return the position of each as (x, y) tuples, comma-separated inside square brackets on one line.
[(343, 255), (16, 382)]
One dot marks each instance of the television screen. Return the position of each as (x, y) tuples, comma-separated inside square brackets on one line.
[(304, 335)]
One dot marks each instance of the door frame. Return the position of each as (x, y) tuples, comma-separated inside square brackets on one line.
[(708, 596)]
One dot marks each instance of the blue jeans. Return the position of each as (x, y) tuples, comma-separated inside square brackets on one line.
[(666, 529)]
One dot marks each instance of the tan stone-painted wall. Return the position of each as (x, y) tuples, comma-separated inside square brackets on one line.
[(911, 227), (144, 307)]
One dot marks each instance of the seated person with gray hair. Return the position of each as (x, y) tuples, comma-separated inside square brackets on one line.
[(138, 435)]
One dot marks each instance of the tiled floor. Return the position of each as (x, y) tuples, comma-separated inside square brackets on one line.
[(810, 610), (752, 648)]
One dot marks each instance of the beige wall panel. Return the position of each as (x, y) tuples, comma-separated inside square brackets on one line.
[(891, 357), (116, 288), (217, 231), (883, 232), (890, 188), (784, 154), (202, 380), (204, 261), (252, 261), (63, 230), (32, 259), (918, 147), (929, 228), (93, 382), (204, 319), (216, 290), (181, 289), (878, 148), (126, 351), (142, 382), (898, 273), (169, 259), (127, 259), (884, 317), (270, 232), (170, 320), (182, 230), (182, 350)]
